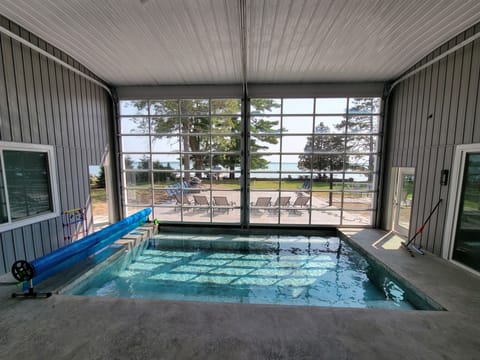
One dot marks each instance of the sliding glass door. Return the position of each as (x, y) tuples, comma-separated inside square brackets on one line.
[(465, 228)]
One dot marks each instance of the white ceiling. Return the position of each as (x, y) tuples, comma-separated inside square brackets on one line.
[(156, 42)]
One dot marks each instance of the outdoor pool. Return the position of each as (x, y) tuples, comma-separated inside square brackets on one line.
[(282, 270)]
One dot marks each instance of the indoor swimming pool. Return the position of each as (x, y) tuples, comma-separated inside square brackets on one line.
[(271, 269)]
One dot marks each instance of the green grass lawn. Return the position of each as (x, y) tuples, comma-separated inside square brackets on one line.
[(98, 195), (288, 185)]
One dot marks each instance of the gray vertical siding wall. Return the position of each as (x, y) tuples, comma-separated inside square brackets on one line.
[(429, 114), (41, 102)]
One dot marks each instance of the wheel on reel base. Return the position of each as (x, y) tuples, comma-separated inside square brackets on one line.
[(22, 270)]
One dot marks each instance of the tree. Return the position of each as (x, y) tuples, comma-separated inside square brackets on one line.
[(143, 164), (352, 146), (324, 153), (360, 125), (195, 123), (101, 178), (162, 176)]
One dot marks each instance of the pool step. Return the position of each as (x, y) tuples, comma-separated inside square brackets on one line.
[(300, 244)]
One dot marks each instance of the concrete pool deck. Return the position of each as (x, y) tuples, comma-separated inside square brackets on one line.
[(75, 327)]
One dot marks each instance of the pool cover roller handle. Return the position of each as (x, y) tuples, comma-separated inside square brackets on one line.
[(104, 236)]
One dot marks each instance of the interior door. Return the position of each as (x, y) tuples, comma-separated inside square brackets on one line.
[(403, 198)]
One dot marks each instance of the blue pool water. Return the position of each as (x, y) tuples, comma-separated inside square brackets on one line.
[(243, 269)]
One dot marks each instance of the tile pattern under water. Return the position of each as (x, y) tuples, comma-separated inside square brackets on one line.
[(271, 270)]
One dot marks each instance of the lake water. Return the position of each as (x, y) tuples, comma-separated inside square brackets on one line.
[(288, 168)]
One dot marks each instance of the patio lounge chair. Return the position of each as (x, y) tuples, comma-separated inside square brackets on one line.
[(299, 203), (222, 204), (182, 200), (281, 202), (262, 202), (201, 203), (200, 200)]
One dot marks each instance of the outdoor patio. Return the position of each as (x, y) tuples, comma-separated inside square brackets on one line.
[(356, 212)]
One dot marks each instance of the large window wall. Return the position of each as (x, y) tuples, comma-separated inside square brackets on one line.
[(182, 158), (314, 160), (309, 161)]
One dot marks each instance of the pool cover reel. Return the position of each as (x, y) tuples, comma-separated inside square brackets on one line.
[(66, 256)]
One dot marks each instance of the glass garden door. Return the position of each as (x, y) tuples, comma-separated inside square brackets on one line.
[(403, 200)]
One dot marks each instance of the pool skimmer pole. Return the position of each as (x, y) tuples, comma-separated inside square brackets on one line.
[(408, 245)]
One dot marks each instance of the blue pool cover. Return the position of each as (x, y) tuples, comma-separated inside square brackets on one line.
[(66, 256)]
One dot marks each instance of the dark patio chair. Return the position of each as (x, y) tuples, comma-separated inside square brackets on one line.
[(262, 203), (182, 200), (299, 203), (201, 202), (281, 202), (222, 204)]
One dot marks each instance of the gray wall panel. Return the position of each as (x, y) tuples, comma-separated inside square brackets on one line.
[(472, 97), (44, 233), (3, 263), (427, 120), (41, 102), (31, 113), (8, 252)]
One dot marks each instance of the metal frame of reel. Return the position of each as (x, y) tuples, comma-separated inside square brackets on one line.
[(23, 271)]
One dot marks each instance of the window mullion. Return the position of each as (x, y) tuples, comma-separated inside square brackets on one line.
[(5, 192)]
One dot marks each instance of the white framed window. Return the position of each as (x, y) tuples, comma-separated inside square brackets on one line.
[(28, 184)]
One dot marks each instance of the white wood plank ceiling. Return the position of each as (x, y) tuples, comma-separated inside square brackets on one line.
[(156, 42)]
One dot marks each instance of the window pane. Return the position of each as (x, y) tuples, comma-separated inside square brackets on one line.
[(364, 105), (136, 144), (194, 107), (264, 181), (361, 144), (137, 178), (357, 201), (134, 125), (167, 213), (226, 143), (297, 124), (165, 125), (294, 144), (225, 124), (265, 106), (325, 217), (298, 106), (331, 105), (264, 124), (330, 124), (365, 124), (360, 163), (133, 161), (226, 106), (195, 125), (326, 143), (357, 218), (164, 107), (165, 162), (28, 183), (225, 182), (166, 144), (265, 143), (139, 196), (133, 107)]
